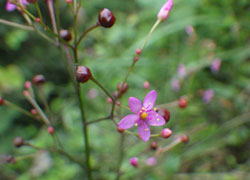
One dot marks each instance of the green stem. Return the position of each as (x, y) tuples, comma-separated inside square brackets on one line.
[(98, 120), (13, 24), (103, 88), (121, 156), (86, 32)]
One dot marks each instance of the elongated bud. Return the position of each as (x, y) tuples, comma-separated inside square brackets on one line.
[(106, 18), (164, 12), (166, 133), (122, 88), (83, 74), (134, 161), (18, 142)]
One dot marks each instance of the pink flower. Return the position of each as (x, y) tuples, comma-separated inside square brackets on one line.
[(143, 115), (175, 84), (215, 66), (152, 161), (208, 95), (11, 7), (182, 72), (166, 8)]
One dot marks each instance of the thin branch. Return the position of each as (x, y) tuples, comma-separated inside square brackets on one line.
[(13, 24)]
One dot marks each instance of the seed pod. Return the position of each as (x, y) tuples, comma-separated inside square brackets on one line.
[(83, 74), (106, 18), (154, 145)]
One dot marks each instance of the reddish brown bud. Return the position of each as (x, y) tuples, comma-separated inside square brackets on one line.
[(51, 130), (122, 87), (69, 1), (182, 103), (65, 35), (1, 101), (184, 138), (164, 113), (18, 142), (27, 84), (120, 130), (154, 145), (33, 111), (83, 74), (136, 58), (10, 159), (166, 133), (109, 100), (38, 79), (106, 18), (31, 1)]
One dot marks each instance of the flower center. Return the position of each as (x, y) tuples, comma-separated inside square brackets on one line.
[(144, 115)]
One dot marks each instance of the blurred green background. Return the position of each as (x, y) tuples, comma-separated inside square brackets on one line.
[(219, 131)]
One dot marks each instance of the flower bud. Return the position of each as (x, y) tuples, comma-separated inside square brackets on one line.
[(138, 51), (18, 142), (134, 161), (122, 87), (31, 1), (27, 84), (51, 130), (83, 74), (38, 20), (1, 101), (164, 113), (106, 18), (166, 8), (146, 85), (215, 66), (38, 79), (184, 138), (136, 58), (33, 111), (182, 103), (154, 145), (10, 159), (69, 1), (166, 133), (65, 35), (109, 100), (120, 130)]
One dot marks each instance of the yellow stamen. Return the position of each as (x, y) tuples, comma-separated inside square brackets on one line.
[(144, 115)]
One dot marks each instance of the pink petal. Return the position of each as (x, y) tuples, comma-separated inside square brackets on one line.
[(149, 100), (135, 104), (143, 131), (155, 119), (24, 2), (128, 121), (10, 7)]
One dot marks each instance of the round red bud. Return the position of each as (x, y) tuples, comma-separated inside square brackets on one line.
[(182, 103), (166, 133), (164, 113), (83, 74), (109, 100), (38, 79), (154, 145), (65, 35), (38, 20), (51, 130), (134, 161), (136, 58), (106, 18), (33, 111), (138, 51), (146, 85), (120, 130), (18, 142), (184, 138)]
